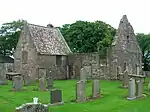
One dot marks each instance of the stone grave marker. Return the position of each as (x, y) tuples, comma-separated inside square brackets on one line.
[(50, 83), (83, 74), (27, 80), (149, 86), (139, 88), (31, 107), (42, 72), (131, 89), (55, 97), (96, 88), (88, 69), (81, 91), (17, 83), (42, 84), (125, 79), (3, 80)]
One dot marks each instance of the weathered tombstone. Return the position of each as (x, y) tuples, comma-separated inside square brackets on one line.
[(131, 89), (149, 86), (125, 79), (56, 97), (17, 83), (27, 80), (81, 91), (88, 69), (42, 84), (31, 107), (139, 88), (42, 72), (96, 88), (3, 80), (49, 82), (83, 74)]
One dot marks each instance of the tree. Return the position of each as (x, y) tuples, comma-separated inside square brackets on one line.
[(83, 36), (9, 35), (144, 42)]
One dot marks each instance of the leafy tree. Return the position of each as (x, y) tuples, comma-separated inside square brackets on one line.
[(9, 34), (83, 36), (144, 42)]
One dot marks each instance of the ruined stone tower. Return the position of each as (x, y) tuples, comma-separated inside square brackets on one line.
[(125, 51)]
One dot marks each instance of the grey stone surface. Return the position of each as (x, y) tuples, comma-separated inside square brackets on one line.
[(125, 79), (50, 82), (140, 87), (55, 96), (3, 80), (131, 89), (81, 91), (42, 72), (96, 88), (148, 87), (31, 107), (42, 84), (17, 83), (27, 80), (83, 74)]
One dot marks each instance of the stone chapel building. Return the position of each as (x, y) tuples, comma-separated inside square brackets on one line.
[(38, 48)]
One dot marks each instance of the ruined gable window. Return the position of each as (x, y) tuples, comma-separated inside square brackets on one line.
[(58, 60), (127, 39)]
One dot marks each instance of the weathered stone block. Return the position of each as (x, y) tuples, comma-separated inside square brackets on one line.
[(17, 83), (42, 84), (96, 88)]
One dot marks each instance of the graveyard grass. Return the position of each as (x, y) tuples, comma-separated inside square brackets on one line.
[(113, 98)]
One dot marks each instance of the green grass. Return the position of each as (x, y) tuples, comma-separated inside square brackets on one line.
[(113, 99)]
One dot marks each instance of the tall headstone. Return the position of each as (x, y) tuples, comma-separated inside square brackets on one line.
[(96, 88), (27, 80), (42, 84), (125, 79), (131, 89), (83, 74), (50, 82), (3, 80), (149, 86), (55, 97), (17, 83), (139, 88), (42, 72), (31, 107), (81, 91)]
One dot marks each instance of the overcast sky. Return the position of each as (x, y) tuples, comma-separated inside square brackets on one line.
[(59, 12)]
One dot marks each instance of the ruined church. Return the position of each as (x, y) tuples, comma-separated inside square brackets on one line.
[(43, 50)]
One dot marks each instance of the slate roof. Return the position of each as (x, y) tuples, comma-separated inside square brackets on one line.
[(6, 59), (48, 40)]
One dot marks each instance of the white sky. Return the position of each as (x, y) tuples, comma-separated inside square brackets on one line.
[(59, 12)]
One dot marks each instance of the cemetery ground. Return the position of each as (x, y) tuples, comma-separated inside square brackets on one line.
[(113, 98)]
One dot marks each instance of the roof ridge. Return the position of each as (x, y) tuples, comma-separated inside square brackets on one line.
[(37, 25)]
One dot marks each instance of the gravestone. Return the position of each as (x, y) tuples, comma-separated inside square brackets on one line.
[(17, 83), (49, 83), (3, 80), (149, 86), (27, 80), (96, 88), (131, 89), (31, 107), (42, 72), (42, 84), (139, 88), (83, 74), (88, 69), (81, 91), (125, 79), (56, 97)]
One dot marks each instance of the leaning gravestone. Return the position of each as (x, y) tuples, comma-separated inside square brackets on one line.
[(17, 83), (96, 88), (80, 91), (31, 107), (139, 88), (42, 84), (56, 97), (149, 86), (131, 89)]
